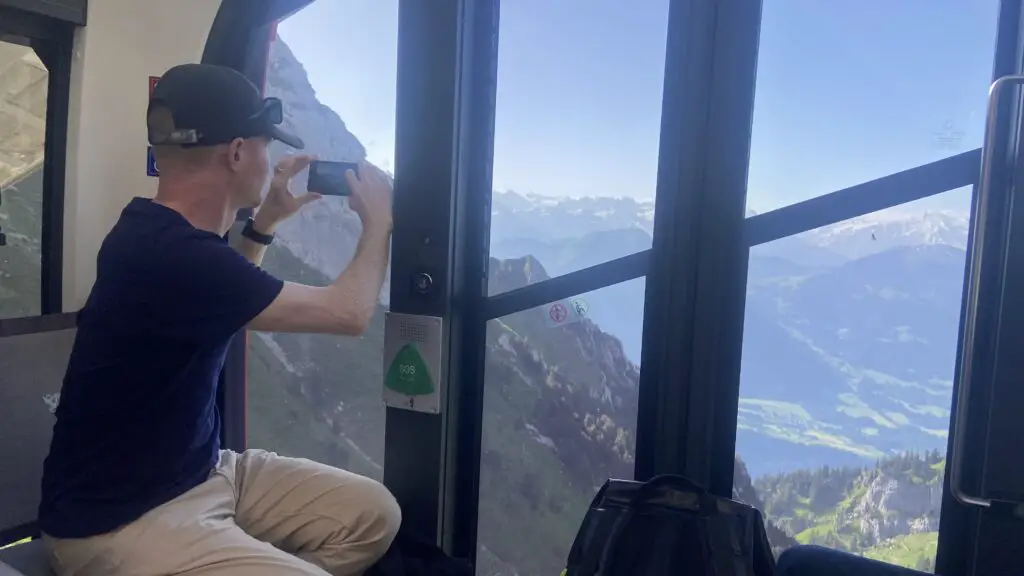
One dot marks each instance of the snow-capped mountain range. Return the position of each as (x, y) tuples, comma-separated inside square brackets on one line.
[(537, 217)]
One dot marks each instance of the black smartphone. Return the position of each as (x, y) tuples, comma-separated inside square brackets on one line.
[(328, 178)]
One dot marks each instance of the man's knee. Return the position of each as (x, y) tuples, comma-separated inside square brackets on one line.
[(380, 516), (302, 504)]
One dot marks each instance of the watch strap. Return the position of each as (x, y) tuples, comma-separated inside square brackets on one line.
[(249, 231)]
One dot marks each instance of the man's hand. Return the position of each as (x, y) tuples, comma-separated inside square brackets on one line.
[(348, 304), (280, 203), (371, 197)]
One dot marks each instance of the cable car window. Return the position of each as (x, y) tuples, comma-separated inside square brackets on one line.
[(560, 407), (576, 137), (849, 347), (576, 134), (333, 65), (24, 84)]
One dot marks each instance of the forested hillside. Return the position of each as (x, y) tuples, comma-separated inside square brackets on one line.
[(888, 511)]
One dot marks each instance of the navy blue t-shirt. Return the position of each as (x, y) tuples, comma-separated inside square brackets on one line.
[(137, 424)]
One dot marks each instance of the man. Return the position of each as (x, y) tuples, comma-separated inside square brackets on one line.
[(136, 482)]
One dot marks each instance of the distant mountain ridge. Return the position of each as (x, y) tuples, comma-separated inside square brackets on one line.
[(893, 228), (534, 218)]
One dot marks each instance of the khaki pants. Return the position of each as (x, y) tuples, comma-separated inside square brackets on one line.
[(259, 514)]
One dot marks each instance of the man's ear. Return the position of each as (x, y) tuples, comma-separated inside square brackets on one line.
[(236, 150)]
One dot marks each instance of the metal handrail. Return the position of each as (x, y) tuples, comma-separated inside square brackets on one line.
[(973, 293)]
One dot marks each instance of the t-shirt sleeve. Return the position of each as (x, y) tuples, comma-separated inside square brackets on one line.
[(211, 290)]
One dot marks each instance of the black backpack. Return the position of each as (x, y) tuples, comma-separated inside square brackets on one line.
[(668, 526)]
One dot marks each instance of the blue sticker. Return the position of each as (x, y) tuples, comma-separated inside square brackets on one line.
[(151, 169)]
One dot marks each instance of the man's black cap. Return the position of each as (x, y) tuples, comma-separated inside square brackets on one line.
[(206, 105)]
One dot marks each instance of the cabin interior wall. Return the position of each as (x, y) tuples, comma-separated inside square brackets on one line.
[(122, 45)]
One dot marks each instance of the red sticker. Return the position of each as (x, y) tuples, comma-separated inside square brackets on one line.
[(152, 84), (558, 312)]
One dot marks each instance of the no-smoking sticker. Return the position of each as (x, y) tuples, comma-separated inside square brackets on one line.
[(558, 312), (565, 312)]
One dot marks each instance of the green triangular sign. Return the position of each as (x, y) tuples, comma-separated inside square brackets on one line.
[(408, 373)]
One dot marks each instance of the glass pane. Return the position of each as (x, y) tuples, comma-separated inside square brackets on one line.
[(23, 87), (319, 396), (560, 405), (576, 130), (846, 95), (849, 349)]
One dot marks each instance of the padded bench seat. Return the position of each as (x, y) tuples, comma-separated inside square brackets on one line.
[(25, 560)]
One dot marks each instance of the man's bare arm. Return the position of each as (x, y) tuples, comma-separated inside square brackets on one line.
[(345, 307), (279, 205)]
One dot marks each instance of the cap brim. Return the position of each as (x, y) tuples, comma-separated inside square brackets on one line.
[(290, 139)]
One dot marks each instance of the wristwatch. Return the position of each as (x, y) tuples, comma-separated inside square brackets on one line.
[(250, 232)]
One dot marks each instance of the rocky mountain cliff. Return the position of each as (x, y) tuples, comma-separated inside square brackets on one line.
[(324, 237), (888, 511)]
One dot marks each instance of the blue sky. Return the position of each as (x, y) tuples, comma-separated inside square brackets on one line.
[(845, 93)]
